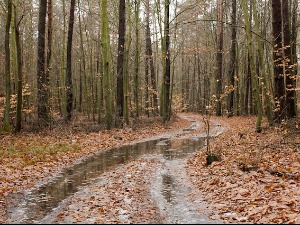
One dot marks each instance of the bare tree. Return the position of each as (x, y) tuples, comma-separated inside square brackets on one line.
[(69, 85)]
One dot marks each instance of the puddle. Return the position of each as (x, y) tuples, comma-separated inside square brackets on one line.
[(168, 188), (35, 205)]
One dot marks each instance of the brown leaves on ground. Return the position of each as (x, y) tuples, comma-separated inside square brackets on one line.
[(29, 157), (257, 180), (118, 197)]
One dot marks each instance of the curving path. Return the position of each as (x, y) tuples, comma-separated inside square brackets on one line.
[(154, 166)]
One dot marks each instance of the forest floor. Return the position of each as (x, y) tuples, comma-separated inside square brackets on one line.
[(257, 180)]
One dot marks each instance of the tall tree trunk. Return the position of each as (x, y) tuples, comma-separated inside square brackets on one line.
[(7, 126), (266, 86), (20, 76), (219, 68), (83, 82), (62, 78), (49, 48), (254, 76), (287, 59), (294, 35), (278, 55), (147, 84), (126, 73), (42, 81), (69, 84), (106, 66), (232, 57), (120, 62), (166, 101), (149, 57), (137, 57)]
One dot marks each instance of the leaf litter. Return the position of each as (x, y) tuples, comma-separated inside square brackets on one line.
[(257, 180)]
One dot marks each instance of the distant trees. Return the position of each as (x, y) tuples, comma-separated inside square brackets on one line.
[(125, 64), (285, 82)]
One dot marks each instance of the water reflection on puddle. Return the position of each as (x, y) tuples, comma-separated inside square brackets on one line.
[(38, 203), (168, 188)]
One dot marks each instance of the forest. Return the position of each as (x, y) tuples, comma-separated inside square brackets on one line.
[(110, 60), (79, 77)]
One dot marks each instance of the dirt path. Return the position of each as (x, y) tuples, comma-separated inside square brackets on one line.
[(151, 189), (177, 203)]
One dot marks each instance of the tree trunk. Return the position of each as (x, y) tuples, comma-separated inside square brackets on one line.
[(137, 58), (126, 73), (294, 30), (149, 57), (49, 48), (42, 81), (278, 56), (83, 82), (7, 126), (254, 76), (20, 76), (106, 66), (219, 69), (120, 62), (262, 69), (69, 85), (232, 57), (287, 59), (166, 101)]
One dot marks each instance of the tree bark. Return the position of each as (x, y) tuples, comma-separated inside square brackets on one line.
[(69, 84), (219, 69), (166, 101), (294, 35), (149, 58), (265, 79), (7, 126), (278, 56), (254, 76), (233, 57), (120, 62), (137, 58), (106, 66), (20, 76), (287, 59), (42, 81)]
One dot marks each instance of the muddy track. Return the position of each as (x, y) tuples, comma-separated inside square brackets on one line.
[(168, 185)]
